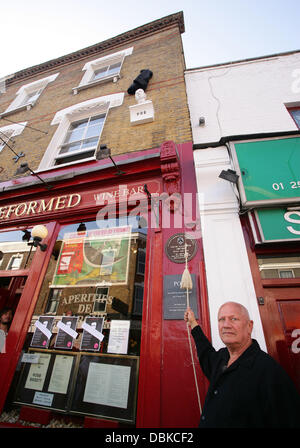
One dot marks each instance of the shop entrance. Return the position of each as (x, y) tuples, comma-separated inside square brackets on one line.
[(280, 309), (11, 289)]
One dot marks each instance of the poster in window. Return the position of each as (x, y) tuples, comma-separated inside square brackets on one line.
[(92, 334), (100, 257), (66, 333), (42, 334)]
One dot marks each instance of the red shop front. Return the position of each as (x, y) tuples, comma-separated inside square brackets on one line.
[(97, 331)]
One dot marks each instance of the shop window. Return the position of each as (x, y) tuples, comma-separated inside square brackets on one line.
[(105, 69), (279, 266), (87, 323), (28, 94), (77, 136)]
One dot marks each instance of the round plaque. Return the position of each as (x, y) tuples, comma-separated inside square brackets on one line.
[(175, 248)]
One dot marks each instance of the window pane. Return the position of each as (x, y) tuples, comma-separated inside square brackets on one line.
[(114, 68), (91, 276), (279, 266), (296, 116), (74, 135), (100, 73), (15, 253), (70, 148), (74, 158), (89, 143)]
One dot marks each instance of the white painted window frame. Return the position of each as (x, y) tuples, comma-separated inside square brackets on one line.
[(91, 67), (65, 117), (19, 102), (10, 131), (11, 260)]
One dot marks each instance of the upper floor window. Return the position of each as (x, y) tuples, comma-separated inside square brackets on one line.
[(27, 95), (295, 113), (81, 140), (8, 132), (104, 69), (79, 130)]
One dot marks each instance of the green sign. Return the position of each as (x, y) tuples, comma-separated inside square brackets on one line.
[(278, 224), (269, 170)]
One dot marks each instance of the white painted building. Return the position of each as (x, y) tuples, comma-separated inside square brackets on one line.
[(248, 100)]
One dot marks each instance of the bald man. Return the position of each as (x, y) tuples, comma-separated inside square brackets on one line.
[(248, 388)]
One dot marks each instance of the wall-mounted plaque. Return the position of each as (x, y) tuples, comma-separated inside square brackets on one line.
[(175, 298), (175, 248)]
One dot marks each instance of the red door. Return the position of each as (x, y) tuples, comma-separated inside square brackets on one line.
[(276, 276), (281, 321)]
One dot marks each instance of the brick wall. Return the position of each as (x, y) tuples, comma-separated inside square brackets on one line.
[(160, 52)]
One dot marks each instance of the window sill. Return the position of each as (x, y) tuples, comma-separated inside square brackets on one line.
[(17, 109), (65, 165), (113, 78)]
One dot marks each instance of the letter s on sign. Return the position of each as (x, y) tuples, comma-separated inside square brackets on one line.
[(295, 348), (287, 217)]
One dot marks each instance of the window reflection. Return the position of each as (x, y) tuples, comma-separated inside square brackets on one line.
[(279, 266), (15, 252), (97, 269)]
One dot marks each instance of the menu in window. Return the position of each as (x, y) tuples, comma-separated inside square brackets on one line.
[(37, 373), (118, 336), (107, 384)]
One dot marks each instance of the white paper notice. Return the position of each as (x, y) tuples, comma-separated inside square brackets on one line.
[(107, 384), (37, 373), (43, 399), (60, 376), (118, 336)]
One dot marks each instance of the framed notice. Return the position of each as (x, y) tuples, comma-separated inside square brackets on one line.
[(42, 333), (100, 257), (106, 386), (48, 383)]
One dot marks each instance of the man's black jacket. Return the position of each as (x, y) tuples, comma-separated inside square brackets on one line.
[(253, 392)]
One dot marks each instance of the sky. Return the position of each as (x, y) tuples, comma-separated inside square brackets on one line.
[(216, 31)]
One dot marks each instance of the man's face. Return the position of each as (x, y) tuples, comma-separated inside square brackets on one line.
[(6, 318), (234, 326)]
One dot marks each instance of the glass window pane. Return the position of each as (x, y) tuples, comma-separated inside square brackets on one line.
[(76, 157), (71, 147), (93, 131), (100, 73), (92, 276), (279, 266), (296, 116), (90, 143), (15, 253), (114, 68)]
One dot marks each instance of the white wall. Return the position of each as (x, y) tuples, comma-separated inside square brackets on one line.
[(227, 268), (243, 98)]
